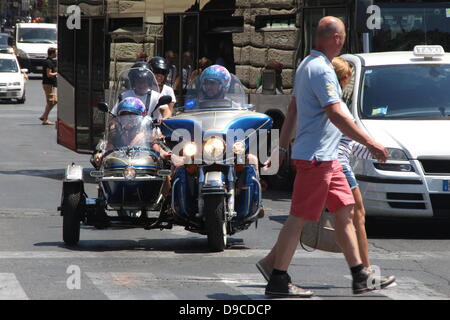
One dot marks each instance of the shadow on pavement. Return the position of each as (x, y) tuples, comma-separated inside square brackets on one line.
[(186, 245), (56, 174)]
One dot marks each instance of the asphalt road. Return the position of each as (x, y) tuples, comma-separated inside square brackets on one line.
[(171, 264)]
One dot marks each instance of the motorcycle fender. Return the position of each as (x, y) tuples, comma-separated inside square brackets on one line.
[(213, 182), (73, 173)]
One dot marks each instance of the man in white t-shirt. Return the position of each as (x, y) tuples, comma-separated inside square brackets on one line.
[(160, 68)]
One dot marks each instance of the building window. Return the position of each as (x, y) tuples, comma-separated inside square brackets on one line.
[(280, 22)]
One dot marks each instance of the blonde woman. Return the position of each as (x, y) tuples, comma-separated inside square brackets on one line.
[(347, 148)]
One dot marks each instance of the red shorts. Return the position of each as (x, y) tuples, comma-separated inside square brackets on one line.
[(319, 184)]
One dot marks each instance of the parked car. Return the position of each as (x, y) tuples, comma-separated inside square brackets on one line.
[(402, 100), (6, 43), (12, 81), (32, 43)]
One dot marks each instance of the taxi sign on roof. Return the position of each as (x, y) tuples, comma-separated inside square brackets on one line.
[(428, 51)]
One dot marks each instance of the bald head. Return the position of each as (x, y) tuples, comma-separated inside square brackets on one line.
[(328, 26)]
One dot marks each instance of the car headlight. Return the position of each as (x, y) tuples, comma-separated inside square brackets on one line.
[(397, 154), (394, 167), (129, 173), (190, 149), (214, 148), (239, 147)]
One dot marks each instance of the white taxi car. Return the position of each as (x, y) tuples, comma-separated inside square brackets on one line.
[(402, 100), (12, 82)]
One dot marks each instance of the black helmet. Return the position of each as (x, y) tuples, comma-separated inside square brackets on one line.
[(140, 73), (159, 65), (140, 64)]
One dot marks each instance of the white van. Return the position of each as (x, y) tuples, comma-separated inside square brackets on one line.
[(32, 43)]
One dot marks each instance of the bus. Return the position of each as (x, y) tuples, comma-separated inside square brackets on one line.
[(244, 36)]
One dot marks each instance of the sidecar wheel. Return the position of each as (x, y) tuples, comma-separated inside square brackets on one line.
[(215, 223), (72, 211)]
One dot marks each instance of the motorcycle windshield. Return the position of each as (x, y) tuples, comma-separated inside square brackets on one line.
[(127, 131), (210, 94), (135, 82)]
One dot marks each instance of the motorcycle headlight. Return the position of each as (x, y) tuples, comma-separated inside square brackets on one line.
[(397, 154), (239, 147), (129, 173), (214, 148), (190, 149)]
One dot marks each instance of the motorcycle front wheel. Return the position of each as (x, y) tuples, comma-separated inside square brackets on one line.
[(216, 228)]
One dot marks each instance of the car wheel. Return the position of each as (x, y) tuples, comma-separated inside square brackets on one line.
[(22, 100), (72, 210)]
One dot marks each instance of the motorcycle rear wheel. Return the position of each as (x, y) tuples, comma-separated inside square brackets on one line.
[(72, 211), (215, 223)]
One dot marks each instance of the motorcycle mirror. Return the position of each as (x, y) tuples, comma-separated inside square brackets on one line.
[(103, 106), (164, 100)]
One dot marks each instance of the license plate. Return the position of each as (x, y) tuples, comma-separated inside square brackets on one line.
[(2, 89), (445, 185)]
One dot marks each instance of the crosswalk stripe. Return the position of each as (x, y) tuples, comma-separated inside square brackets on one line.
[(250, 285), (248, 253), (406, 288), (129, 286), (411, 289), (10, 288)]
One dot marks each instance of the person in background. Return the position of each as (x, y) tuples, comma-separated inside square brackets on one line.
[(141, 56), (49, 83), (172, 75), (182, 81), (347, 148), (203, 63), (278, 68)]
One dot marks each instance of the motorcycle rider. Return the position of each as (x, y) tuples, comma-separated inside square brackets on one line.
[(141, 80), (214, 84), (160, 68), (128, 134)]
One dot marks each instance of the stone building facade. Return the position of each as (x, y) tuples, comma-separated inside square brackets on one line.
[(252, 48)]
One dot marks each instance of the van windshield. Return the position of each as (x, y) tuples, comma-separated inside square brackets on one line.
[(406, 92), (37, 35)]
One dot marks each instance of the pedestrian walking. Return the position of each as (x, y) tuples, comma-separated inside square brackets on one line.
[(348, 148), (49, 83), (315, 109)]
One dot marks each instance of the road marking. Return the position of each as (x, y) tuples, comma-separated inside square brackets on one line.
[(142, 253), (129, 286), (406, 288), (411, 289), (250, 285), (10, 288)]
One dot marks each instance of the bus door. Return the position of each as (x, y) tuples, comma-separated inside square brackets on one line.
[(81, 83)]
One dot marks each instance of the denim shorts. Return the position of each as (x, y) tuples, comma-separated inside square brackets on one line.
[(350, 176)]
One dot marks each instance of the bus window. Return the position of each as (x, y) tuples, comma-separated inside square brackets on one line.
[(404, 25)]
